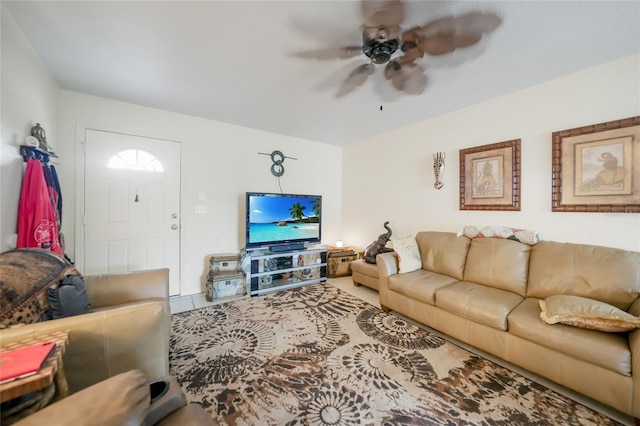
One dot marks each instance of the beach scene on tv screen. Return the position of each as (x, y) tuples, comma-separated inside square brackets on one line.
[(283, 218)]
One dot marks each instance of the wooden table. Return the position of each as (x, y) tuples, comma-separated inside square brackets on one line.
[(50, 372), (357, 250)]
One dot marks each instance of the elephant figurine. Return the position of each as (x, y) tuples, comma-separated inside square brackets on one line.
[(378, 246)]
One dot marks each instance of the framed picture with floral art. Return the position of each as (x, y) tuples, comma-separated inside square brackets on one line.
[(596, 168), (490, 177)]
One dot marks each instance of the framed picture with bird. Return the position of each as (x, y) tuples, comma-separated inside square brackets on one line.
[(596, 168)]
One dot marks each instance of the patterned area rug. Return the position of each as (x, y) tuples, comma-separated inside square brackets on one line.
[(315, 355)]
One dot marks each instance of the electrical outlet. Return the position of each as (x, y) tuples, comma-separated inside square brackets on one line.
[(202, 209)]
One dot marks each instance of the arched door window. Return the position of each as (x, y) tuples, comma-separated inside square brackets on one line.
[(135, 159)]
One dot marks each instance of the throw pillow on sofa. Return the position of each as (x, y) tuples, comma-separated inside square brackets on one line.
[(408, 254), (68, 298), (586, 313)]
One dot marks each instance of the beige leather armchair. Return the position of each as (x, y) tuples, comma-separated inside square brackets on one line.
[(120, 400), (127, 329)]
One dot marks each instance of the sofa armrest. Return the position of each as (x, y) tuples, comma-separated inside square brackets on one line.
[(634, 309), (121, 400), (634, 346), (192, 415), (387, 265), (108, 342), (116, 289)]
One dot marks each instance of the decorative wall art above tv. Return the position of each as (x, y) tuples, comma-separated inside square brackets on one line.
[(596, 168), (490, 177)]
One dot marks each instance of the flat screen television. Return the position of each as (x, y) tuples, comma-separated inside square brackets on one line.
[(282, 222)]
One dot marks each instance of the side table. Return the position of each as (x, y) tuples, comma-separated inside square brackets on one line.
[(50, 380), (339, 260)]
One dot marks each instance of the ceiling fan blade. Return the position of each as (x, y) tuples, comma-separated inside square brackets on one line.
[(412, 54), (409, 78), (438, 44), (331, 53), (415, 81), (392, 69), (448, 34), (478, 22), (410, 35), (466, 40), (472, 22), (410, 45), (356, 78), (385, 13)]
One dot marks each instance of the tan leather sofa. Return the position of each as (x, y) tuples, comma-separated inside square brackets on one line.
[(486, 292), (364, 273), (128, 329)]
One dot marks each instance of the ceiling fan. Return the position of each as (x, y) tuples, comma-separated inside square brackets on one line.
[(382, 37)]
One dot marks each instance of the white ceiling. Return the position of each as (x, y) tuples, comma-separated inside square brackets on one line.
[(232, 61)]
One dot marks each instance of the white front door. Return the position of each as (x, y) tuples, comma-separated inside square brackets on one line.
[(132, 205)]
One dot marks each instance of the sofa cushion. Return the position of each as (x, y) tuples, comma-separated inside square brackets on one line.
[(408, 254), (420, 285), (586, 313), (521, 235), (69, 298), (485, 305), (608, 350), (443, 252), (499, 263), (600, 273), (25, 275)]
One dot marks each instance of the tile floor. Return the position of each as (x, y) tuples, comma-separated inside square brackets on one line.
[(195, 301), (187, 303)]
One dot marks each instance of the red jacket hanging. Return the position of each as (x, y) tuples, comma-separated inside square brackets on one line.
[(37, 225)]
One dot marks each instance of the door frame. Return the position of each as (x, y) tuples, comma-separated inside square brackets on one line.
[(80, 176)]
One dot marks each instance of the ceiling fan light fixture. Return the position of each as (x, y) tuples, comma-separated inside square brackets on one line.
[(380, 52), (382, 37)]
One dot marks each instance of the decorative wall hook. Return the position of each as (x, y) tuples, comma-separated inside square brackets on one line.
[(277, 169), (438, 164), (33, 152)]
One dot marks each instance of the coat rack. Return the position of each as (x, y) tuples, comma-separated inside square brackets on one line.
[(29, 152)]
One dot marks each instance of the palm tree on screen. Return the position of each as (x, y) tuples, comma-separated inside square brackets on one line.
[(297, 211), (315, 206)]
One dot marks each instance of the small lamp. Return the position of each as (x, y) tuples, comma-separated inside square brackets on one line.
[(339, 243)]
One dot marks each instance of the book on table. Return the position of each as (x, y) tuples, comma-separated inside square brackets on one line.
[(23, 362)]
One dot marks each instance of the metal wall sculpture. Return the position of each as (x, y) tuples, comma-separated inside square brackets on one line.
[(438, 165)]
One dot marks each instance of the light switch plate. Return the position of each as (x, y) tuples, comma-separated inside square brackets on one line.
[(202, 209)]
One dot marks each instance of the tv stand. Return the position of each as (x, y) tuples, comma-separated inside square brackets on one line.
[(286, 247), (286, 269)]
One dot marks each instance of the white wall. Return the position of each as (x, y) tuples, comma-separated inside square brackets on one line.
[(390, 177), (29, 95), (218, 159)]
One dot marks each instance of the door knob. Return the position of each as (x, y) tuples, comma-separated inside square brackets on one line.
[(174, 226)]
